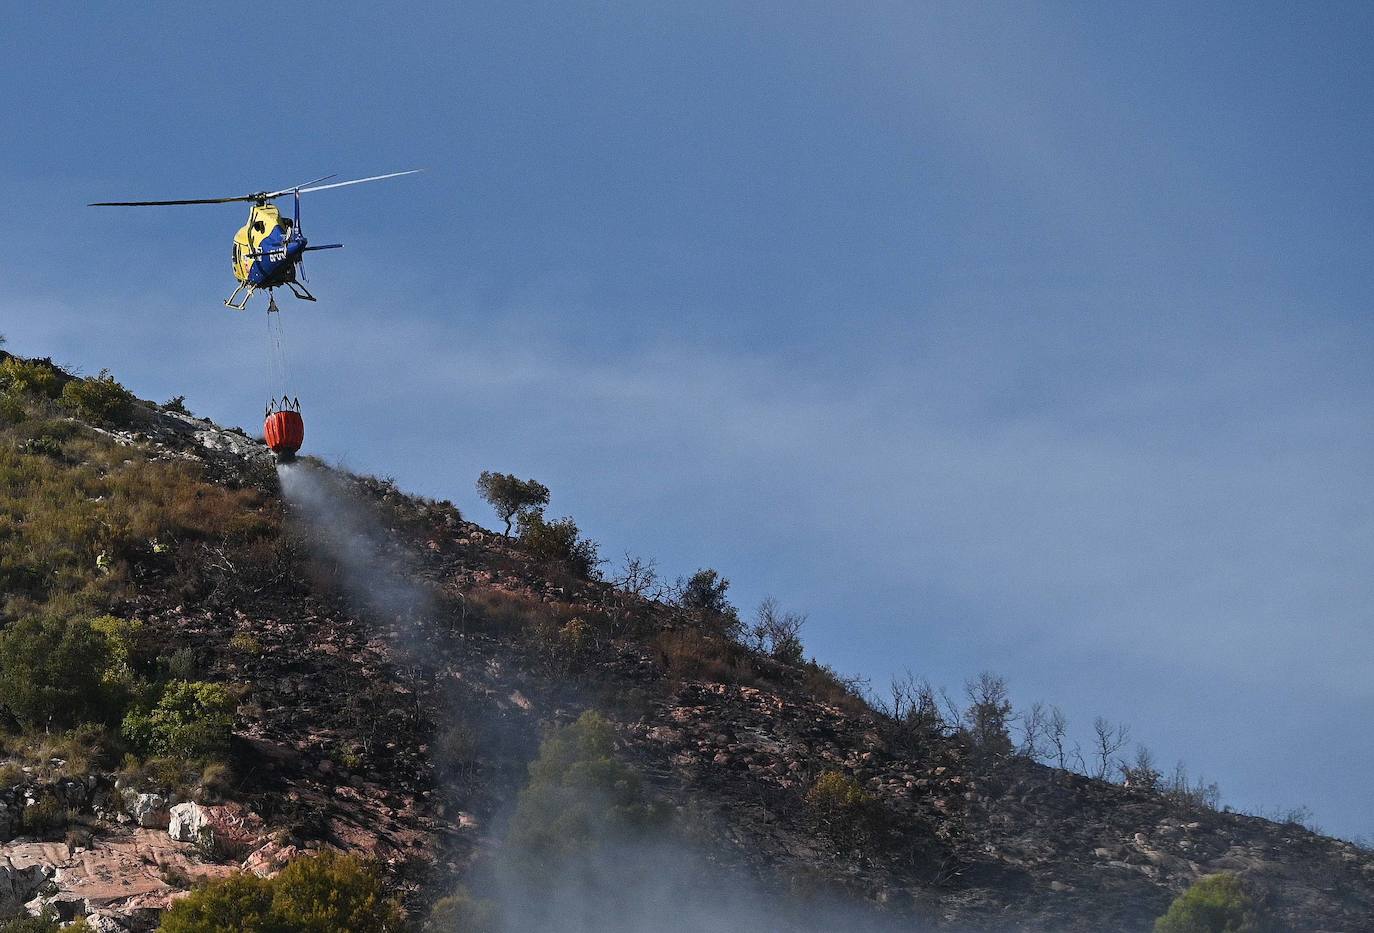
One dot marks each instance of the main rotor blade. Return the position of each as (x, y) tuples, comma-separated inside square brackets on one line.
[(247, 197), (313, 181), (341, 184)]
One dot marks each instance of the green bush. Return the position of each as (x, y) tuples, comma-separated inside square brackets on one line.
[(704, 595), (841, 808), (557, 542), (460, 912), (129, 651), (1216, 904), (240, 903), (30, 377), (51, 672), (192, 720), (578, 794), (45, 922), (12, 411), (48, 812), (101, 399), (324, 893)]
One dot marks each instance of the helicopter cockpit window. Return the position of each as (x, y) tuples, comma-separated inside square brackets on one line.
[(257, 225)]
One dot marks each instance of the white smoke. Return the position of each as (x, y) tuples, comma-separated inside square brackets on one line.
[(666, 886), (336, 525), (660, 884)]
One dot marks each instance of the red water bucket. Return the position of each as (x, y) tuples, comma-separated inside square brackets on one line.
[(284, 432)]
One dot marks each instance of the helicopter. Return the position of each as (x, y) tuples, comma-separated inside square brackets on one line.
[(269, 249)]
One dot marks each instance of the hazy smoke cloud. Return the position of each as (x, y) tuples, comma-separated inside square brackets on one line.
[(668, 887), (617, 885), (337, 527)]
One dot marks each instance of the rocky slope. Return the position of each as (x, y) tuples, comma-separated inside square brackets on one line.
[(392, 691)]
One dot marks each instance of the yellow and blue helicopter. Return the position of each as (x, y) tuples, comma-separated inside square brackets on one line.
[(269, 248)]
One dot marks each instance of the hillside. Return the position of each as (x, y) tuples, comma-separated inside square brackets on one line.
[(386, 672)]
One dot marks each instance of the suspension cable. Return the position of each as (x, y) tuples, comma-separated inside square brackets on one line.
[(276, 356)]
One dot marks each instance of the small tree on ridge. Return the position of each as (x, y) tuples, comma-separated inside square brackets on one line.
[(508, 494)]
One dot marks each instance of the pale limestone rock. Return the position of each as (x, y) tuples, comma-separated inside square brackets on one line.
[(186, 821)]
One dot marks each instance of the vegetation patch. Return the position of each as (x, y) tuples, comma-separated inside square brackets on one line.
[(323, 893)]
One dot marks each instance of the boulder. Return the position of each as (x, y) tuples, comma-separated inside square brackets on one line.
[(147, 810), (104, 923), (19, 882), (185, 821), (269, 859), (224, 830)]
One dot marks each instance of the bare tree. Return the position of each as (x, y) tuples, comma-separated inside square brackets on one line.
[(778, 632), (1199, 794), (913, 705), (1058, 730), (1141, 772), (1034, 732), (639, 578), (1109, 740), (989, 715)]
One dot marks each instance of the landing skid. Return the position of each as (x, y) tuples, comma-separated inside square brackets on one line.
[(300, 291), (247, 288), (239, 301)]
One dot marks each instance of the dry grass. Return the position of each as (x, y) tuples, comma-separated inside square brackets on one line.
[(72, 754), (692, 655), (77, 510)]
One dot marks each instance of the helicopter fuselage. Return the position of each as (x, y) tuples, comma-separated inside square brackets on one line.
[(267, 248)]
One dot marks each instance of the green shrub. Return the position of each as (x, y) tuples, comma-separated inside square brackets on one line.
[(579, 794), (101, 399), (30, 377), (50, 672), (42, 447), (841, 808), (1216, 904), (246, 643), (240, 903), (48, 812), (12, 411), (460, 912), (704, 595), (324, 893), (128, 648), (192, 720), (557, 542), (45, 922)]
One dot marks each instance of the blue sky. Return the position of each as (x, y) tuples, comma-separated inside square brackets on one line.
[(1023, 337)]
